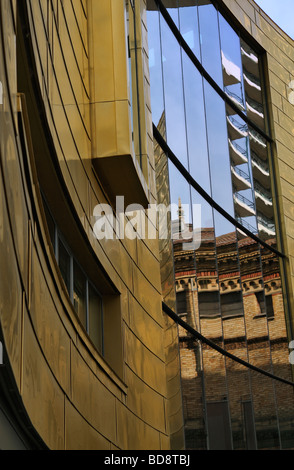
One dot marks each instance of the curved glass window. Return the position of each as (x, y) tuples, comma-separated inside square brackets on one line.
[(85, 298), (207, 102)]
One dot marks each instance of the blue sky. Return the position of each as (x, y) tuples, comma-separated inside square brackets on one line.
[(281, 11)]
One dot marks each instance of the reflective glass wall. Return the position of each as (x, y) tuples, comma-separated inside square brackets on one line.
[(207, 104)]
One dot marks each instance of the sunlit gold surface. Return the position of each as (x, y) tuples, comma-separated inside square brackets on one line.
[(75, 398)]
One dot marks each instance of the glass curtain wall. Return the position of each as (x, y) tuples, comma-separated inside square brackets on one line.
[(228, 287)]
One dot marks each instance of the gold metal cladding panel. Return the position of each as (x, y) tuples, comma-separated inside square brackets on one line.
[(47, 382), (75, 33), (45, 311), (10, 291), (145, 364), (41, 394), (59, 88), (147, 296), (120, 253), (15, 196), (91, 397), (145, 328), (109, 50), (140, 252), (54, 41), (14, 263), (9, 52), (145, 402), (79, 435), (133, 433), (149, 265), (72, 96), (11, 171), (149, 243), (111, 105)]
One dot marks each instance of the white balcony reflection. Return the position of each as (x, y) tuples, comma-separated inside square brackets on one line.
[(266, 226), (249, 54), (236, 130), (264, 200), (255, 111), (232, 73), (260, 170), (260, 165), (258, 144), (246, 225), (252, 86), (237, 153), (241, 180), (236, 99), (250, 60), (243, 206)]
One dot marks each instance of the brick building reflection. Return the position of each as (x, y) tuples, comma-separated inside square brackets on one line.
[(230, 290)]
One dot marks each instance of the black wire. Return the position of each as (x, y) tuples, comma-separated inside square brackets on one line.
[(214, 346)]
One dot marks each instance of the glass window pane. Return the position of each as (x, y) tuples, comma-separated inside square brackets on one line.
[(50, 224), (64, 264), (195, 124), (209, 40), (173, 10), (189, 26), (218, 145), (218, 423), (173, 90), (155, 65), (231, 63), (229, 288), (252, 85), (95, 318), (79, 294)]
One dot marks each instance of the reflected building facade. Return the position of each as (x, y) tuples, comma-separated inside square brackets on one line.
[(211, 83), (182, 103)]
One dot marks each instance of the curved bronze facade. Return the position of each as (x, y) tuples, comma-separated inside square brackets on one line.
[(90, 361), (65, 116)]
